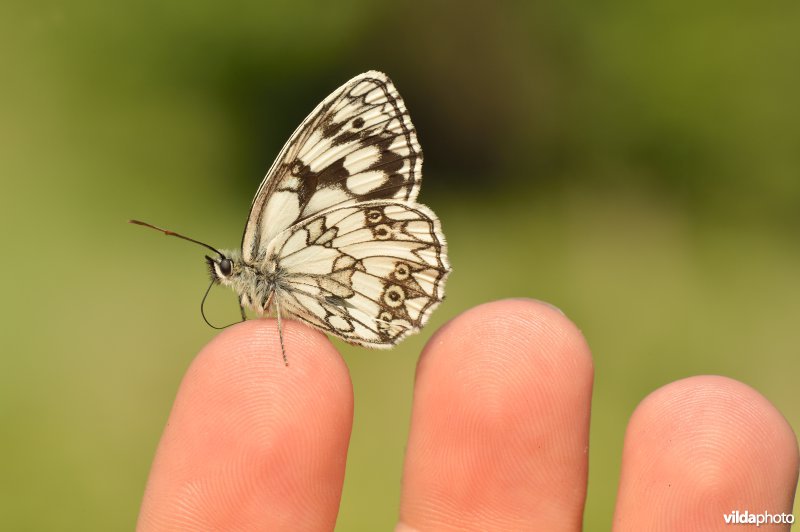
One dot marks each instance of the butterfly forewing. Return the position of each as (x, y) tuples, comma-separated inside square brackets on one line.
[(358, 145), (369, 273)]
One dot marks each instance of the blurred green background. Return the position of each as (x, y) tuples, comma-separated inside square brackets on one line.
[(635, 163)]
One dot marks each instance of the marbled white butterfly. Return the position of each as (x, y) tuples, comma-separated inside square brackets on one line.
[(335, 237)]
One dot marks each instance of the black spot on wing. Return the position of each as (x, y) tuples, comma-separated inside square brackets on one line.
[(390, 163), (312, 181), (333, 173)]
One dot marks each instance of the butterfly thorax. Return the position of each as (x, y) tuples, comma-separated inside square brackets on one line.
[(254, 284)]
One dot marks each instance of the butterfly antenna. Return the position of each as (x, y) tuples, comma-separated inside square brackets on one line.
[(173, 233), (203, 313), (280, 328)]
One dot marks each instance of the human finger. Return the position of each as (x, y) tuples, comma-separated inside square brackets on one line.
[(500, 423), (250, 443), (700, 449)]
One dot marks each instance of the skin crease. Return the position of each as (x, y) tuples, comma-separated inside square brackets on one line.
[(498, 440)]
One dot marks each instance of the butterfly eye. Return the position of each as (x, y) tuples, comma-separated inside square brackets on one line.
[(225, 266)]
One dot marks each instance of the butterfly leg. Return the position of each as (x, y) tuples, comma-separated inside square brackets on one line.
[(241, 309), (280, 328)]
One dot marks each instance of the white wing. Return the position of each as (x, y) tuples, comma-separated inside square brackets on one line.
[(370, 273), (358, 145)]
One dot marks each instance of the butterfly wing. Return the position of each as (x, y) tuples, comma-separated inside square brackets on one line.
[(370, 273), (358, 145)]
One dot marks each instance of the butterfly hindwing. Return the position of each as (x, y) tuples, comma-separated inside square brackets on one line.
[(369, 273), (358, 145)]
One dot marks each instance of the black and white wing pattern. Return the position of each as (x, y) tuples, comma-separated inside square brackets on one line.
[(335, 237), (370, 273), (358, 145)]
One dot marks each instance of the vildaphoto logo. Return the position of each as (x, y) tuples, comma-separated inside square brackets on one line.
[(764, 518)]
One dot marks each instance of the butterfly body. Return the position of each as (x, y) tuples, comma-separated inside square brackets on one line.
[(254, 285), (335, 237)]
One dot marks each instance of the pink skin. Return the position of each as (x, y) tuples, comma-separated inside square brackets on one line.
[(499, 436)]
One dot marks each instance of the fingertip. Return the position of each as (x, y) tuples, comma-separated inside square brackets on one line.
[(706, 439), (250, 440), (713, 403), (253, 348), (243, 368), (546, 324), (500, 421), (512, 334)]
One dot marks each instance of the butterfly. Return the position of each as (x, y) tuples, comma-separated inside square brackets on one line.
[(335, 237)]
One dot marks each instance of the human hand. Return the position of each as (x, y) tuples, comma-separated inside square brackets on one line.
[(499, 436)]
